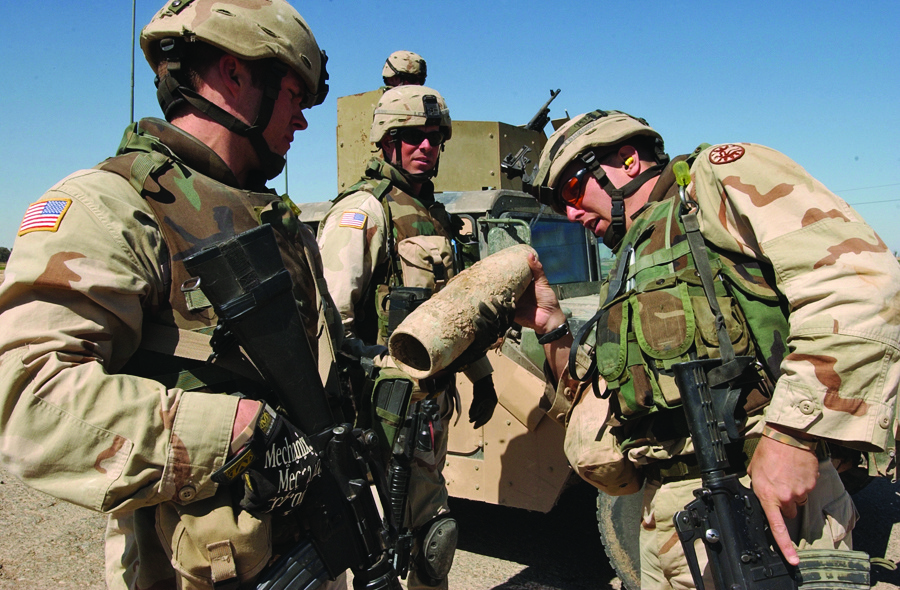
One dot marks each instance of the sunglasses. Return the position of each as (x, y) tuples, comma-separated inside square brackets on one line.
[(417, 136), (571, 192)]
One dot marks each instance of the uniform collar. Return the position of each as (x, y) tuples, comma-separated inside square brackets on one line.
[(381, 169), (185, 147)]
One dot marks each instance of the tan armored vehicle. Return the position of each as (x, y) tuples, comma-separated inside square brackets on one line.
[(517, 458)]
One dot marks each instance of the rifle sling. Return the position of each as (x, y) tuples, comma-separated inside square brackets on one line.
[(730, 368)]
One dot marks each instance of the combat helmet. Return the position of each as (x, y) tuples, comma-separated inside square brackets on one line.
[(585, 137), (409, 106), (409, 67), (250, 30)]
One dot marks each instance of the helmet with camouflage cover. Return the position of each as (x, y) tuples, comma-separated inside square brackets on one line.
[(409, 106), (251, 30), (408, 67), (587, 137)]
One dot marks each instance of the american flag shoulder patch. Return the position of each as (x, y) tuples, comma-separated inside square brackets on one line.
[(354, 219), (44, 215)]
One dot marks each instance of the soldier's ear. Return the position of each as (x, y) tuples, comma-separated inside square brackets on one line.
[(631, 161)]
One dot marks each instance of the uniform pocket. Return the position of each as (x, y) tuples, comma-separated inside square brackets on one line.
[(426, 261), (664, 321), (706, 324), (840, 517), (210, 541)]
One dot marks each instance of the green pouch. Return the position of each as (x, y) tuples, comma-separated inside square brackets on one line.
[(391, 397), (664, 321), (611, 336)]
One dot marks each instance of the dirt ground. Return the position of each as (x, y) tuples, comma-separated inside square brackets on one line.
[(50, 544)]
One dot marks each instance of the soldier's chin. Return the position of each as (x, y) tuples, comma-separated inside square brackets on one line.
[(420, 168)]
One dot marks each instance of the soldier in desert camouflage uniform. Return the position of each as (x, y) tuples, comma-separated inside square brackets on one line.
[(388, 231), (110, 403), (805, 286), (402, 68)]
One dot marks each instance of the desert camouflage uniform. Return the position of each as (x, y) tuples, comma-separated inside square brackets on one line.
[(838, 375), (92, 302), (355, 259)]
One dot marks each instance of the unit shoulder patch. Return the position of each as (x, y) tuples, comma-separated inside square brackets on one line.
[(353, 218), (44, 215), (725, 154)]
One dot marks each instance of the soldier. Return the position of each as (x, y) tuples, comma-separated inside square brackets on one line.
[(108, 400), (805, 287), (402, 68), (385, 233)]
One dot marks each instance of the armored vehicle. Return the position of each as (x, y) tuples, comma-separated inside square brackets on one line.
[(517, 458)]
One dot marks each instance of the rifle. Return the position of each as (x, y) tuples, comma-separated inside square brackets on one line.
[(415, 434), (514, 165), (542, 117), (251, 291), (726, 515)]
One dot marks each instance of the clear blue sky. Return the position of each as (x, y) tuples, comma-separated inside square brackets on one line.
[(818, 81)]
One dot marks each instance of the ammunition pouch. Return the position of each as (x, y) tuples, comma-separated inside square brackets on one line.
[(426, 261), (391, 395), (211, 543)]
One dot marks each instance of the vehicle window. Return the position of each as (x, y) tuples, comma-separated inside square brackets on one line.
[(565, 251)]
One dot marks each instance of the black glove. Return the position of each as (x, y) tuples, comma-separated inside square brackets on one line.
[(276, 465), (484, 401)]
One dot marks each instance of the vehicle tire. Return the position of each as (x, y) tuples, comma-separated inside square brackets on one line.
[(619, 522)]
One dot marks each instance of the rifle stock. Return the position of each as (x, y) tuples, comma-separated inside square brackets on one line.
[(726, 516), (251, 291)]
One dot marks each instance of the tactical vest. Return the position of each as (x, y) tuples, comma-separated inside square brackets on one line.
[(406, 217), (195, 211), (658, 315)]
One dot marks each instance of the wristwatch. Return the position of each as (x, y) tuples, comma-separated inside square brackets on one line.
[(554, 334)]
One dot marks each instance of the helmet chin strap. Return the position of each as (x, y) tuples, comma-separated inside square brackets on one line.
[(617, 227), (171, 94)]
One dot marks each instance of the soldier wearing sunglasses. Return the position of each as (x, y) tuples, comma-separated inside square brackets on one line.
[(803, 286), (386, 236)]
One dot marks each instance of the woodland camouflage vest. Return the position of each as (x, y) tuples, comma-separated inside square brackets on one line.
[(660, 316)]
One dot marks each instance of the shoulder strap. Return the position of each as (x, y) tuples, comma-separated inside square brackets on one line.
[(731, 366)]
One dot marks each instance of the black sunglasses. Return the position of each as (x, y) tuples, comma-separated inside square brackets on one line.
[(417, 136)]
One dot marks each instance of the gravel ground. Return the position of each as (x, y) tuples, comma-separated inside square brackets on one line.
[(50, 544)]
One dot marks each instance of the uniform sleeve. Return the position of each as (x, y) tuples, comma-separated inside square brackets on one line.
[(840, 374), (71, 309), (352, 241), (478, 369)]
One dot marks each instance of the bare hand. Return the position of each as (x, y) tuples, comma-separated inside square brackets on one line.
[(538, 308), (247, 411), (782, 476)]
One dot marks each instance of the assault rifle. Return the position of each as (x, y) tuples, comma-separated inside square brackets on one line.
[(415, 434), (725, 515), (252, 293), (542, 117), (513, 165)]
